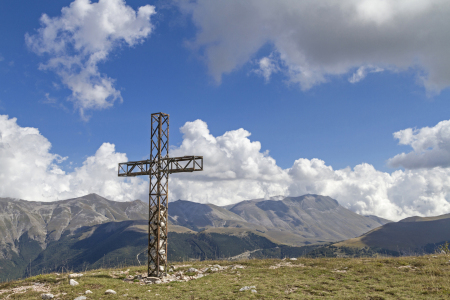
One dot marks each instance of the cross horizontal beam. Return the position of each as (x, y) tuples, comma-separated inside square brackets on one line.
[(171, 165)]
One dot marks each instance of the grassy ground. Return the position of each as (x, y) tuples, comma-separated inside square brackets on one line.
[(425, 277)]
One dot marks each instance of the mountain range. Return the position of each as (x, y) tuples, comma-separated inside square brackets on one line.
[(89, 230)]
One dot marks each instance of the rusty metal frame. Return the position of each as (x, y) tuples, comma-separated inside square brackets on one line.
[(158, 167), (176, 165)]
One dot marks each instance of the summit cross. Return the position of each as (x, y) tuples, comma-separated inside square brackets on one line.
[(158, 167)]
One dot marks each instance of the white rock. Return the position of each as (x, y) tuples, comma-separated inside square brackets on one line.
[(47, 296), (192, 270), (246, 288), (88, 292), (293, 258), (253, 291), (214, 269), (73, 282), (75, 275), (80, 298), (110, 292)]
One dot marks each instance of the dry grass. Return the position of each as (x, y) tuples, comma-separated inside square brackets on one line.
[(425, 277)]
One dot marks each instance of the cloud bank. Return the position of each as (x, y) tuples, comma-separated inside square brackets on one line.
[(74, 44), (316, 40), (235, 169), (28, 170)]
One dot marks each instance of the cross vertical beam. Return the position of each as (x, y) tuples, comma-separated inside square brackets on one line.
[(159, 195)]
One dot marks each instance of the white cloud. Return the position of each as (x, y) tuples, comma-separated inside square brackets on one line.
[(28, 170), (316, 40), (235, 169), (81, 38), (362, 72), (267, 66), (431, 147)]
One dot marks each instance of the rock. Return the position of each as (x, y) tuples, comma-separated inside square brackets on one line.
[(80, 298), (110, 292), (253, 291), (293, 258), (170, 270), (75, 275), (88, 292), (246, 288), (73, 282), (129, 278), (214, 269), (192, 270), (47, 296), (237, 267)]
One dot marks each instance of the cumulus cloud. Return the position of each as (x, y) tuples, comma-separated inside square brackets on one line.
[(316, 40), (431, 147), (28, 170), (235, 169), (81, 38)]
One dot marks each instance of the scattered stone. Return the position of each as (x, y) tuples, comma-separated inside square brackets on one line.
[(110, 292), (190, 270), (285, 264), (253, 291), (73, 282), (152, 279), (293, 258), (246, 288), (237, 267), (214, 269), (47, 296), (75, 275), (88, 292), (80, 298), (170, 270)]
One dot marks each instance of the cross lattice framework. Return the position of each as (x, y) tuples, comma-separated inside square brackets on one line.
[(158, 167)]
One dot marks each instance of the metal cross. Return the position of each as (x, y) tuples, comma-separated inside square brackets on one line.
[(158, 167)]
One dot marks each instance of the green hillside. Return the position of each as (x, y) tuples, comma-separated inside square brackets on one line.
[(410, 236), (115, 244)]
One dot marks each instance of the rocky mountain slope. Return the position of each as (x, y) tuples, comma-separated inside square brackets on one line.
[(293, 220), (46, 221)]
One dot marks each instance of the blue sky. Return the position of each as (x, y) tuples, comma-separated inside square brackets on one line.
[(205, 60)]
